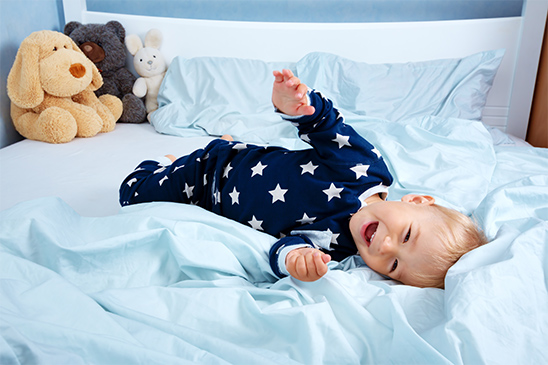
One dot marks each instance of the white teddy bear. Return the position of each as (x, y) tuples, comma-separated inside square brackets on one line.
[(149, 64)]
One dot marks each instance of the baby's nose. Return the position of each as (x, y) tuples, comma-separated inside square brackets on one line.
[(387, 246)]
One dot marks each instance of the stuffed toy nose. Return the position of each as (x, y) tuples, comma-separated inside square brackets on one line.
[(93, 51), (77, 70)]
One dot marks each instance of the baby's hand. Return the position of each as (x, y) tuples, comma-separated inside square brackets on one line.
[(289, 95), (307, 264)]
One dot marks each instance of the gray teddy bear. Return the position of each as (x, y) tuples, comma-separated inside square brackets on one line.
[(104, 45)]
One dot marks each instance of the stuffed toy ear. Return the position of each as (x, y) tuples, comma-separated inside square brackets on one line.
[(118, 29), (71, 27), (97, 79), (133, 43), (24, 86), (153, 39)]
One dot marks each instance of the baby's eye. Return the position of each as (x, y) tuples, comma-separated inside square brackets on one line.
[(54, 49), (407, 236), (394, 266)]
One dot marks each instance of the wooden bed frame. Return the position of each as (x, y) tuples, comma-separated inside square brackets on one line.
[(509, 103)]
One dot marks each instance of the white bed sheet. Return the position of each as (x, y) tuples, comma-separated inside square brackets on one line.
[(88, 182)]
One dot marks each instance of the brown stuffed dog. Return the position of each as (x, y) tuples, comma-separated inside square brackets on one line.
[(51, 86)]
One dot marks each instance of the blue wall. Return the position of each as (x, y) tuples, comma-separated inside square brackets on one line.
[(19, 18)]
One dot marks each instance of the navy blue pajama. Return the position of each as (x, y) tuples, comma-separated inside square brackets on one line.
[(281, 192)]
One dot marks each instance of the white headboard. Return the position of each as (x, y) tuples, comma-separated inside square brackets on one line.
[(509, 101)]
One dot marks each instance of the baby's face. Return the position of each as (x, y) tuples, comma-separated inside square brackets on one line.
[(398, 238)]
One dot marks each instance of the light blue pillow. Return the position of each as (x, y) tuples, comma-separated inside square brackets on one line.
[(454, 88), (216, 96)]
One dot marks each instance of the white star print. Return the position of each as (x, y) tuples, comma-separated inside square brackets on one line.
[(334, 236), (235, 196), (309, 167), (258, 169), (177, 168), (131, 182), (162, 180), (340, 116), (256, 224), (342, 140), (278, 194), (306, 219), (227, 170), (376, 151), (160, 170), (205, 179), (360, 170), (333, 192), (239, 146), (188, 190), (216, 197)]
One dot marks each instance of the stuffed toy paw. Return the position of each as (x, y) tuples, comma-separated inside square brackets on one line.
[(104, 46), (149, 64), (51, 87)]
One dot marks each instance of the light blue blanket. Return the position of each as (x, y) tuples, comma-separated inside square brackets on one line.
[(166, 283)]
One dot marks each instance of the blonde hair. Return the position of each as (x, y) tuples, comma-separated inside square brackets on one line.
[(459, 234)]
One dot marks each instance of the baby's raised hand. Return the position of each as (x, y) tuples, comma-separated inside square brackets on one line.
[(307, 264), (289, 94)]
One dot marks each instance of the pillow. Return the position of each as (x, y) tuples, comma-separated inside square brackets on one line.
[(455, 88), (216, 96)]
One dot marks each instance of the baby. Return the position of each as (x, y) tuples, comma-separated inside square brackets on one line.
[(323, 203)]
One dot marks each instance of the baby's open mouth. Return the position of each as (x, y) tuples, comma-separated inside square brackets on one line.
[(369, 232)]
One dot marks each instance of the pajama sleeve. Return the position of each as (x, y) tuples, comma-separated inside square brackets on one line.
[(334, 140)]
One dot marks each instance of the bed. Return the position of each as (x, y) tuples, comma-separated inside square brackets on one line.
[(85, 281)]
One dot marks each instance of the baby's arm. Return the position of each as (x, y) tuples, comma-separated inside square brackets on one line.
[(289, 94), (307, 264)]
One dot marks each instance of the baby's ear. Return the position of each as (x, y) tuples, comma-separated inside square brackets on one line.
[(418, 199)]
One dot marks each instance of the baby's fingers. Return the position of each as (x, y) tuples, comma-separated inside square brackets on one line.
[(301, 267), (301, 90), (278, 76), (319, 264), (287, 73), (307, 264), (315, 266)]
